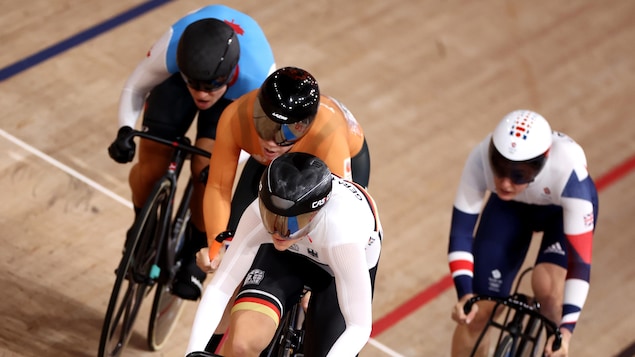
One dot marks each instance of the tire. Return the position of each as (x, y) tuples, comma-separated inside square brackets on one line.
[(166, 310), (133, 281), (504, 348), (166, 307)]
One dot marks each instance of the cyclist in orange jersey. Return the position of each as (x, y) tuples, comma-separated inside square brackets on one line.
[(287, 114)]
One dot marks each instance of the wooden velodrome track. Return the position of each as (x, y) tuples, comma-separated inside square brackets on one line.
[(427, 80)]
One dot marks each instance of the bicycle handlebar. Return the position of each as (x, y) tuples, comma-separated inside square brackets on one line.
[(514, 303), (183, 143)]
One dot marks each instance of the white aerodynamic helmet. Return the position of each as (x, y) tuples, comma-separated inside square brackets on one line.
[(520, 145), (522, 135)]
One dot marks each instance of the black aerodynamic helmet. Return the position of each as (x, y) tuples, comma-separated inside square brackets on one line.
[(292, 187), (290, 95), (287, 104), (207, 54)]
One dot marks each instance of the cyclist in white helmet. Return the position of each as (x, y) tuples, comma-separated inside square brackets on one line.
[(538, 182)]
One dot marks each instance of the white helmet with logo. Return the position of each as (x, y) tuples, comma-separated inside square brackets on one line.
[(520, 146), (522, 135)]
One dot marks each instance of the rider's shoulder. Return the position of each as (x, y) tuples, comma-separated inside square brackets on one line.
[(566, 149)]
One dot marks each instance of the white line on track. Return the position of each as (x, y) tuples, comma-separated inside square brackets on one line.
[(65, 168), (125, 202)]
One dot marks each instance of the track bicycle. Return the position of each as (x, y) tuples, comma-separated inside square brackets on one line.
[(151, 258), (523, 325)]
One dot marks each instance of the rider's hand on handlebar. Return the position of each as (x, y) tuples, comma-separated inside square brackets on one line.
[(123, 148), (209, 258), (563, 351), (459, 315), (204, 262)]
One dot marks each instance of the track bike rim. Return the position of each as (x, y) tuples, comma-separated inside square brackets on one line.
[(122, 312), (167, 307), (123, 309), (166, 311)]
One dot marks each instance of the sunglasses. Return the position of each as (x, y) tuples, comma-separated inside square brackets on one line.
[(206, 86)]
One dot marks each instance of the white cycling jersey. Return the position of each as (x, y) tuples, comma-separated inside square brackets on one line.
[(344, 239)]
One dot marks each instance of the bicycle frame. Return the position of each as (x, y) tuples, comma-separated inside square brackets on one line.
[(524, 312), (183, 150), (288, 341), (173, 172)]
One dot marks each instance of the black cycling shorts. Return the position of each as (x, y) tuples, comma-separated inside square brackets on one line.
[(276, 281), (170, 111)]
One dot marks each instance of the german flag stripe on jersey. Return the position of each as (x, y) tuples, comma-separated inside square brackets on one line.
[(263, 306)]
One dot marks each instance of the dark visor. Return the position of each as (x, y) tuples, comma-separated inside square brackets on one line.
[(206, 86), (281, 134), (519, 172), (287, 227)]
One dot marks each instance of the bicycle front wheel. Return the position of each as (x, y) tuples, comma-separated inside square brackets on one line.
[(166, 310), (504, 348), (166, 307), (134, 280)]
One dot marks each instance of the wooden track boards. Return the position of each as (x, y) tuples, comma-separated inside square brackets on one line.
[(426, 79)]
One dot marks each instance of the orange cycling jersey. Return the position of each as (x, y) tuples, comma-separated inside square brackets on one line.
[(335, 137)]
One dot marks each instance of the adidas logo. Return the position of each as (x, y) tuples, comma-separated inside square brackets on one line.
[(555, 248)]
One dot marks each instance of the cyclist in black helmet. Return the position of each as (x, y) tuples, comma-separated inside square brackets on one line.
[(287, 113), (203, 62), (308, 228)]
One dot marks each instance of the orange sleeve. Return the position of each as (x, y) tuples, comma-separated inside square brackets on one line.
[(222, 172), (235, 132), (335, 136)]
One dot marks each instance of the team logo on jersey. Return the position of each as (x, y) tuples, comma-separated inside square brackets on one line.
[(254, 277), (588, 219), (352, 123), (312, 252), (495, 281), (348, 171), (236, 27)]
